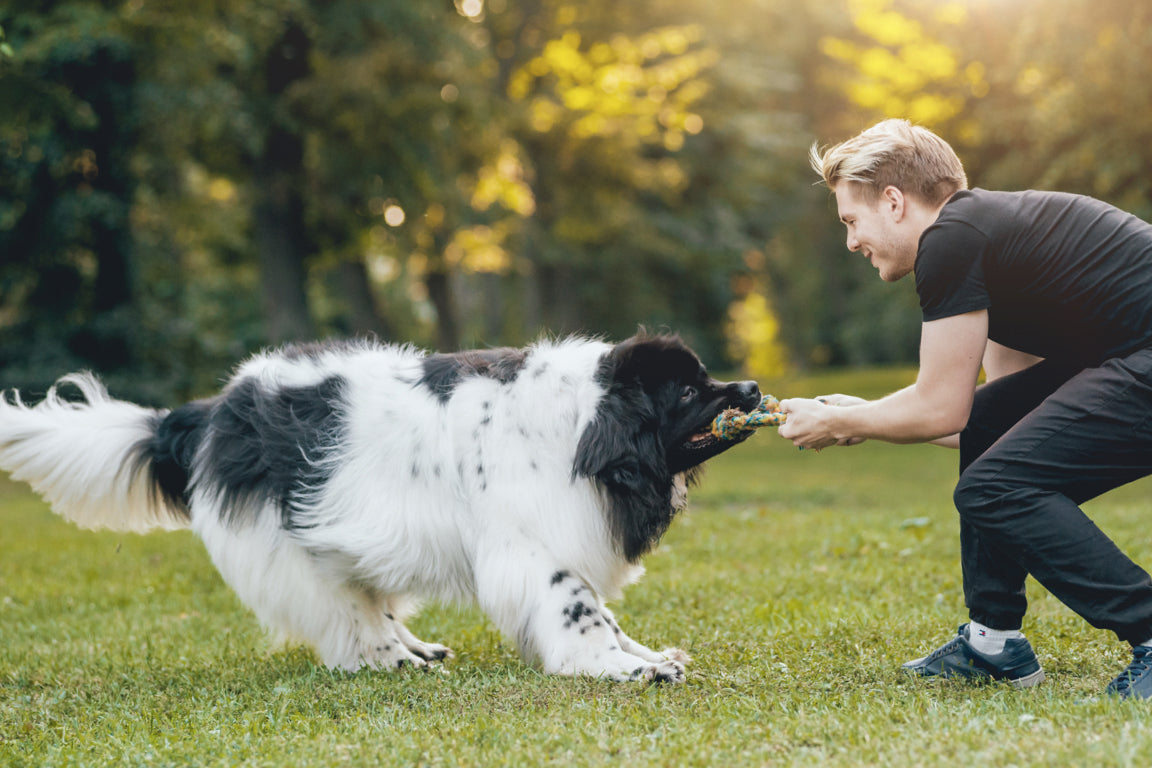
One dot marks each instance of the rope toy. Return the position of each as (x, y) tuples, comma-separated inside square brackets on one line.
[(734, 424)]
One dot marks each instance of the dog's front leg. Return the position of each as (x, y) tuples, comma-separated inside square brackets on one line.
[(557, 618), (638, 649), (587, 640)]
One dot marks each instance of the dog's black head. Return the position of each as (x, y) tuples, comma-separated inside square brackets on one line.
[(653, 424)]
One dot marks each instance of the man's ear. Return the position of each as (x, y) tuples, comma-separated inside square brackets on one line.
[(894, 202)]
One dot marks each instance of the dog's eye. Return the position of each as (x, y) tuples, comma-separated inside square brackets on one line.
[(687, 393)]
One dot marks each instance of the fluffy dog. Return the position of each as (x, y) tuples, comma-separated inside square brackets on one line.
[(337, 485)]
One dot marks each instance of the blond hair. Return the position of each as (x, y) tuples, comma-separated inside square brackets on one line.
[(893, 153)]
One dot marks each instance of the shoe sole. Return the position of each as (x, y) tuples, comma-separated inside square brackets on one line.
[(1019, 683), (1028, 681)]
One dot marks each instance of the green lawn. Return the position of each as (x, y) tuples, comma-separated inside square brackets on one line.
[(798, 582)]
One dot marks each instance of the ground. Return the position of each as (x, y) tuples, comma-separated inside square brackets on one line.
[(798, 582)]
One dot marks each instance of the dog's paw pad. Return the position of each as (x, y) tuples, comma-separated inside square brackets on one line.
[(675, 654)]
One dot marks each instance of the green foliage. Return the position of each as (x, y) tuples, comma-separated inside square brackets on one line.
[(798, 581), (181, 183), (1060, 111)]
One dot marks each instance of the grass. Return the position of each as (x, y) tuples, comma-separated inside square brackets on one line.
[(798, 581)]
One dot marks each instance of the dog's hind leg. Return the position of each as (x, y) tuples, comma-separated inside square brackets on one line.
[(382, 641), (426, 651), (391, 611), (297, 595)]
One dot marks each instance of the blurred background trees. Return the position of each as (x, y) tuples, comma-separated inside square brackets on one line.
[(183, 183)]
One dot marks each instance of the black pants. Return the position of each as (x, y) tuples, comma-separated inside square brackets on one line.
[(1039, 443)]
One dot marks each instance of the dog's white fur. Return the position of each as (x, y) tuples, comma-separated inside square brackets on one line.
[(467, 498)]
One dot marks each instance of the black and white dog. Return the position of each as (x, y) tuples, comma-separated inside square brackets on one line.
[(338, 485)]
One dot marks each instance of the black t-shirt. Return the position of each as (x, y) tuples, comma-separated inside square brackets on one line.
[(1062, 276)]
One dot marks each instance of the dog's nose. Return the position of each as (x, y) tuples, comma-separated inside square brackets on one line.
[(749, 394)]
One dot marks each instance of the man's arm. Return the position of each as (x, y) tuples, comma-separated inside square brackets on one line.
[(999, 360), (936, 406)]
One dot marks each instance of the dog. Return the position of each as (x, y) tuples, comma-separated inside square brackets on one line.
[(338, 485)]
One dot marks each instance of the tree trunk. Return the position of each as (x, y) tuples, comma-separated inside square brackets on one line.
[(447, 323), (363, 315), (280, 236), (558, 300), (492, 289)]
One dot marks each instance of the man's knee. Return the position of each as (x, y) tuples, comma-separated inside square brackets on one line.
[(977, 496)]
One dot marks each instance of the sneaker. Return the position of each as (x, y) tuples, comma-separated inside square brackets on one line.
[(957, 658), (1135, 682)]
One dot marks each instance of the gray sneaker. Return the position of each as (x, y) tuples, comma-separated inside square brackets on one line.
[(1135, 682), (957, 658)]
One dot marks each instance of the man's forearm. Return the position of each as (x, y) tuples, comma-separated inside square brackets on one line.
[(905, 416)]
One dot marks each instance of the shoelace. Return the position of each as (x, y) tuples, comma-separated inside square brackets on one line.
[(943, 650), (1141, 663)]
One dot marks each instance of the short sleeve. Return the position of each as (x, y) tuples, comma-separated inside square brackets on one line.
[(949, 271)]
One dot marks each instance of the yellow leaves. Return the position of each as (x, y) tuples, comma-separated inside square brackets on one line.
[(640, 89), (479, 249), (901, 71), (221, 190), (933, 61), (977, 82), (1030, 80), (753, 337), (473, 249), (930, 109), (888, 28), (502, 182)]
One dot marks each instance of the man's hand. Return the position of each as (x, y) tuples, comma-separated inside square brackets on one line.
[(809, 424)]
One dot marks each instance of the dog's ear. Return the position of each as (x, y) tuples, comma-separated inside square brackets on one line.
[(621, 449), (613, 444), (622, 452)]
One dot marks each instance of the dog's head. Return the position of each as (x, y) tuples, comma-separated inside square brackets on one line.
[(653, 423)]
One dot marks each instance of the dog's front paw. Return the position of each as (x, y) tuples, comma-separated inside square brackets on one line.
[(675, 654), (662, 672), (431, 651)]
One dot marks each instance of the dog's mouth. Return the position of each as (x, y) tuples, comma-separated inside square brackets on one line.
[(701, 439), (700, 446)]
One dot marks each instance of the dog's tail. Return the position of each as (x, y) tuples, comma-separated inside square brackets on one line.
[(100, 462)]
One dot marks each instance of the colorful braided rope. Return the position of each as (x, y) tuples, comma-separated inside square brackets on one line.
[(734, 424)]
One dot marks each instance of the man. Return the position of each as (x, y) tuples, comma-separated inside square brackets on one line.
[(1051, 294)]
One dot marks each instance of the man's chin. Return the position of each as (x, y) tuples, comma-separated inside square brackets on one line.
[(891, 276)]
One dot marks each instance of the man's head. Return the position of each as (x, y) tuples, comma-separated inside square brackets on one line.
[(890, 183), (893, 153)]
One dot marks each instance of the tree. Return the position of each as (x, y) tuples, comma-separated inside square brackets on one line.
[(70, 123), (1066, 89)]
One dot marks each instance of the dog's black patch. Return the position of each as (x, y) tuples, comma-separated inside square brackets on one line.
[(575, 612), (168, 454), (442, 372), (267, 446)]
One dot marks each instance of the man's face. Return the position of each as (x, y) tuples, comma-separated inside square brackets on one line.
[(875, 229)]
